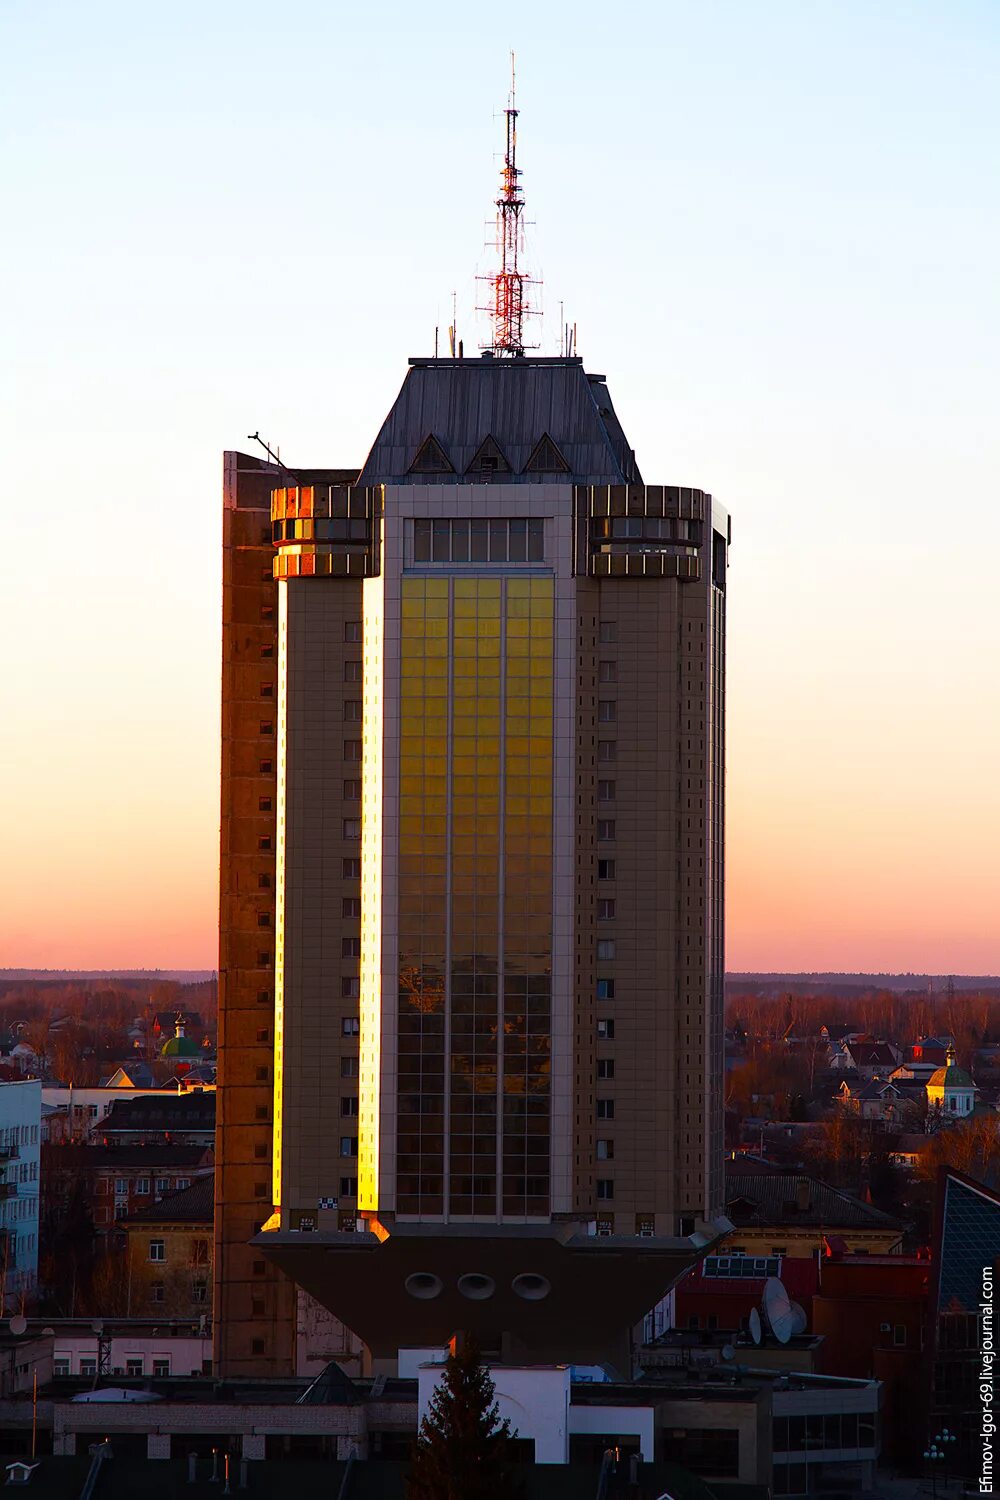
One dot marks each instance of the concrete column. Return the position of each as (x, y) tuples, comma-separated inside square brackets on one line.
[(348, 1445), (158, 1445), (64, 1444), (253, 1446)]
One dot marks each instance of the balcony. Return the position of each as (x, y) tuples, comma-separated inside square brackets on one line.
[(8, 1190)]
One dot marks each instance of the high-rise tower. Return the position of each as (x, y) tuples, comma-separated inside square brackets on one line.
[(498, 785)]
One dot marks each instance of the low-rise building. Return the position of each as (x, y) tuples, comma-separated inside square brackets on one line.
[(20, 1144), (117, 1181), (787, 1213), (160, 1118), (170, 1253)]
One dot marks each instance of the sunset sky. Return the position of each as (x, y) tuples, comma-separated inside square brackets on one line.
[(777, 228)]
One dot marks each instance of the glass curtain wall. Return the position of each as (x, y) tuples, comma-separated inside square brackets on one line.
[(475, 896)]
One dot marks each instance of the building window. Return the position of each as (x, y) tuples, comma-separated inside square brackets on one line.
[(349, 1106), (121, 1185), (264, 804), (605, 1189), (261, 1075), (353, 671), (605, 949), (263, 997), (352, 750), (350, 1026), (350, 947), (263, 882), (352, 791), (352, 828), (256, 1346), (260, 1190), (163, 1184), (348, 1067), (263, 1035), (352, 632), (605, 989), (348, 1187), (88, 1366), (607, 632), (607, 750), (350, 988), (479, 539), (899, 1335), (60, 1366), (605, 829), (607, 711), (156, 1291), (605, 869), (351, 869), (348, 1145), (352, 710), (607, 671), (199, 1252), (263, 919), (644, 1225), (264, 842), (142, 1185), (265, 767), (266, 651), (605, 1067), (605, 911), (161, 1368), (266, 726), (605, 1109), (605, 1030), (133, 1367), (199, 1291), (267, 690), (606, 791), (605, 1149), (350, 906)]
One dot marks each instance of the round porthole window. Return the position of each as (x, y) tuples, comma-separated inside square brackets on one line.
[(476, 1287), (531, 1286), (424, 1284)]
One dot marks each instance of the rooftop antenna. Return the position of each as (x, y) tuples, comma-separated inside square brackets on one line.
[(272, 453), (508, 308), (453, 325)]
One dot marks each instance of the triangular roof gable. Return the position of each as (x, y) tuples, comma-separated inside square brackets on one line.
[(546, 458), (489, 458), (430, 458)]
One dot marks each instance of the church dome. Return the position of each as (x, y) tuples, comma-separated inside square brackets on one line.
[(180, 1045)]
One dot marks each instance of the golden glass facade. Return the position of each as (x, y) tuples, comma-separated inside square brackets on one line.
[(475, 896)]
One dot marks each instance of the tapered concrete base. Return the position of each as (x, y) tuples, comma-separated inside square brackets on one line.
[(540, 1293)]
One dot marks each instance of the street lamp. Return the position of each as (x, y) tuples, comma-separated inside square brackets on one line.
[(934, 1455), (941, 1442)]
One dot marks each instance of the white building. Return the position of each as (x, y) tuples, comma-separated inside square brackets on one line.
[(20, 1129)]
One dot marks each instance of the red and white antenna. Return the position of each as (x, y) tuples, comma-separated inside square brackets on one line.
[(509, 307)]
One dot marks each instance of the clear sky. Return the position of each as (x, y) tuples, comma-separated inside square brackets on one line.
[(776, 226)]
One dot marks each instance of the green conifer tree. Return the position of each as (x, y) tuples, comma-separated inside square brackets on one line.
[(463, 1449)]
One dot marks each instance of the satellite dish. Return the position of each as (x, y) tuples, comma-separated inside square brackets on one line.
[(18, 1325), (799, 1314), (756, 1331), (728, 1352), (98, 1326), (776, 1308)]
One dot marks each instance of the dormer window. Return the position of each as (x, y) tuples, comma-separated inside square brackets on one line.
[(546, 458), (430, 458), (488, 462)]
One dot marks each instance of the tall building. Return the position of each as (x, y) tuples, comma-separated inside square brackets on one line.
[(473, 786)]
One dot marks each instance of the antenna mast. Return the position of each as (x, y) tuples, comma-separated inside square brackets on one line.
[(508, 308)]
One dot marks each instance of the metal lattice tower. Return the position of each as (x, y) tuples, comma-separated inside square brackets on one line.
[(508, 306)]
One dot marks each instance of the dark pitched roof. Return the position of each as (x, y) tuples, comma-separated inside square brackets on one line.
[(192, 1205), (872, 1054), (162, 1112), (519, 403), (96, 1158), (760, 1198)]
